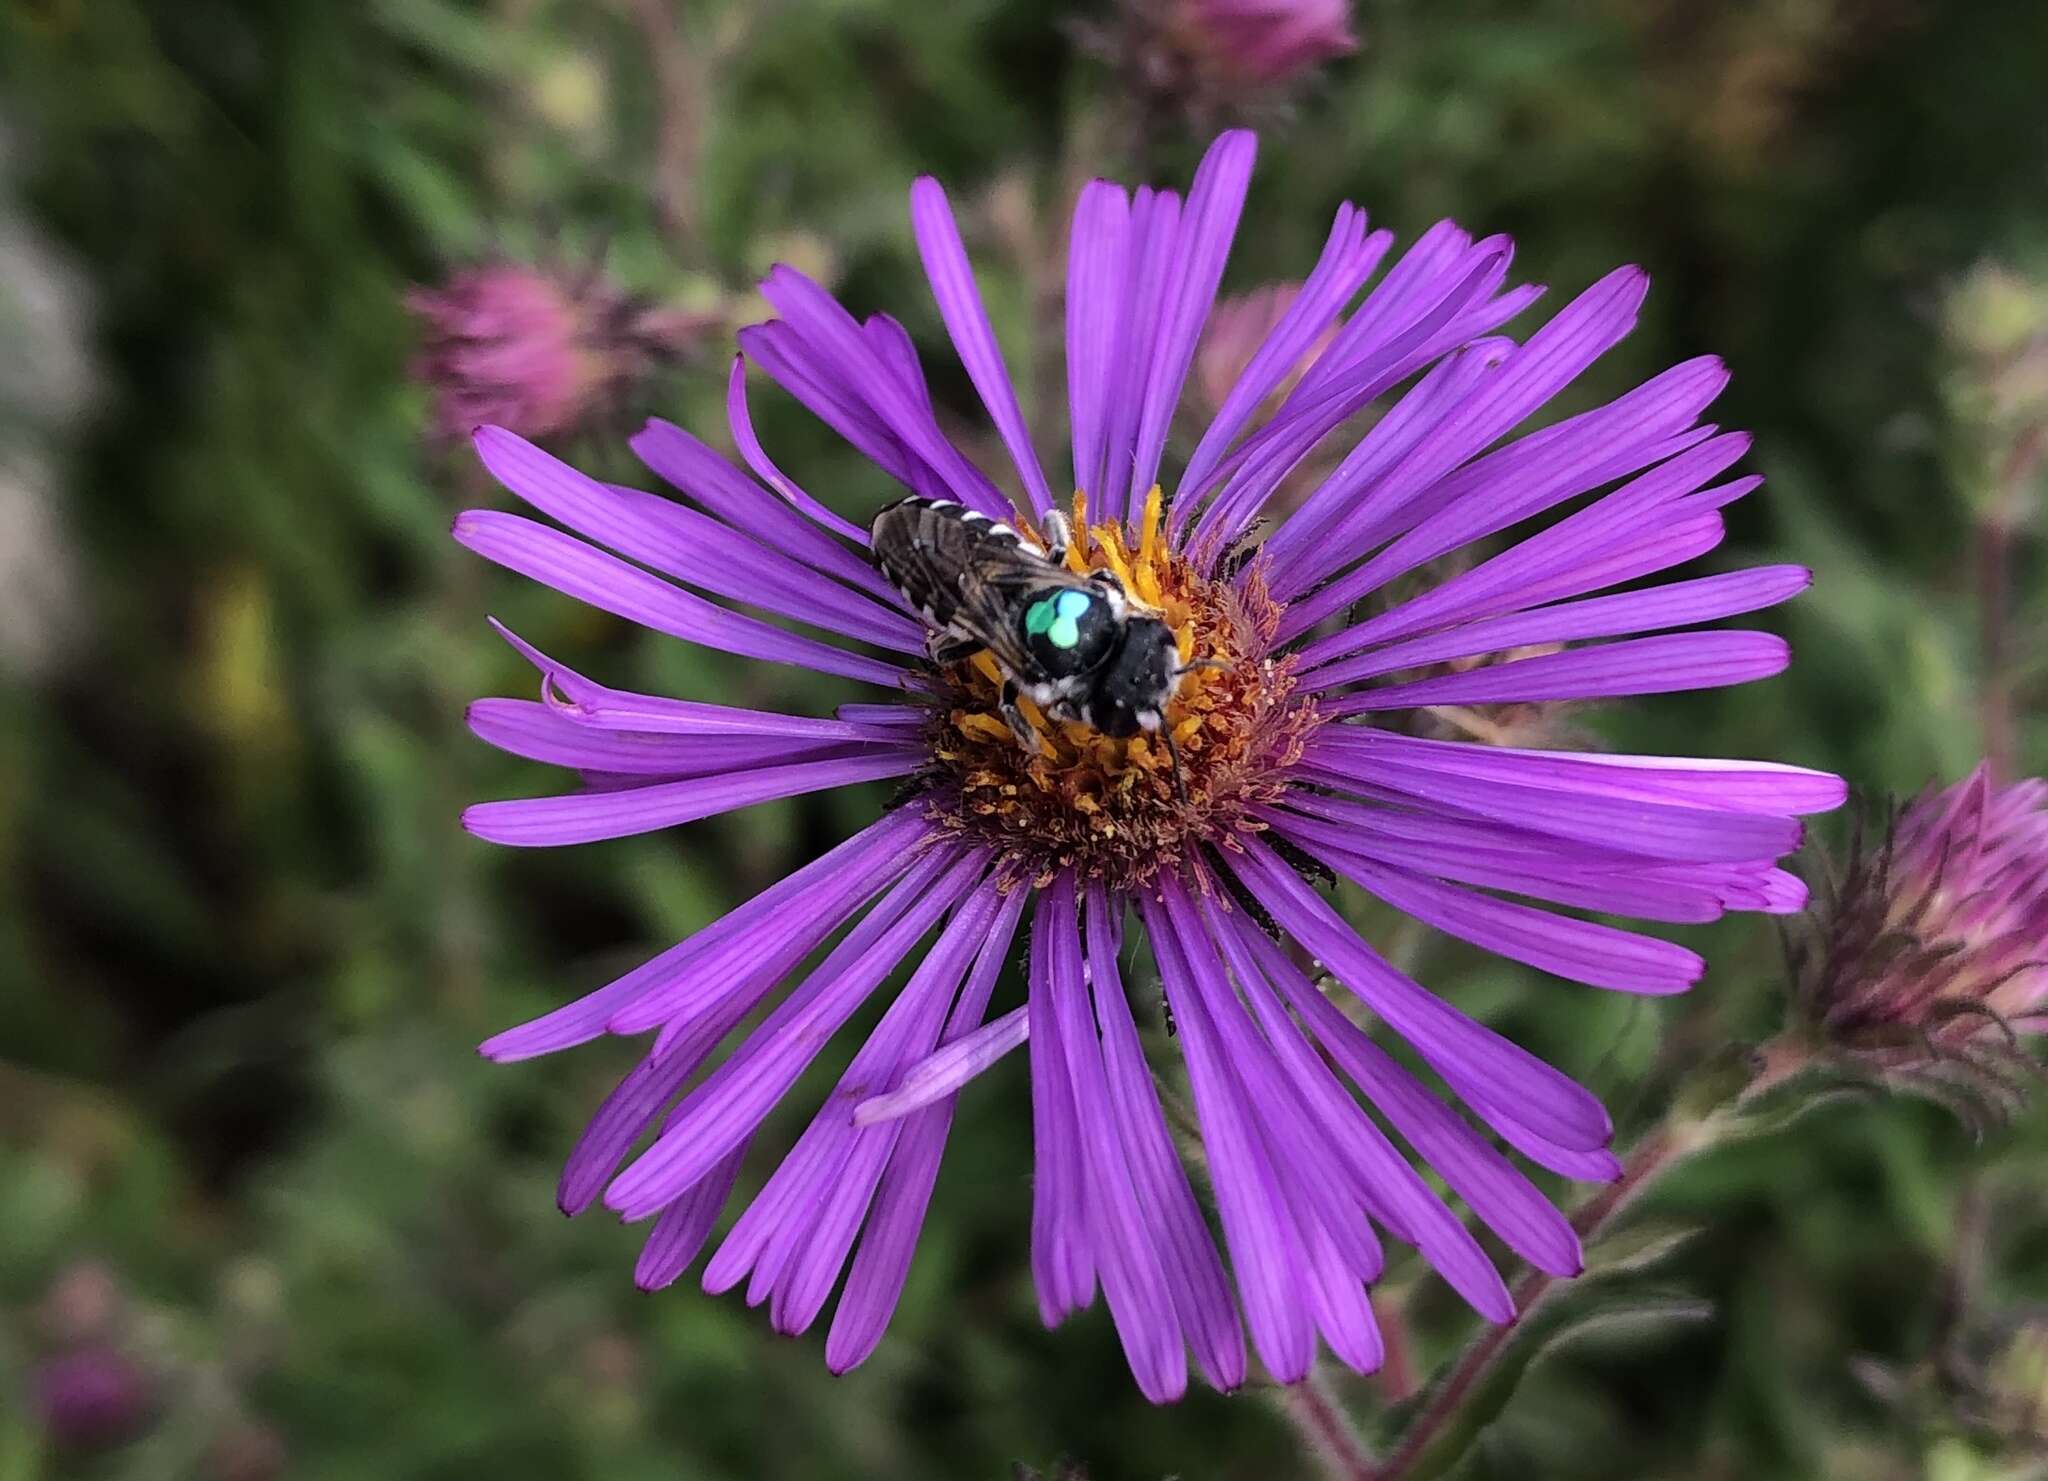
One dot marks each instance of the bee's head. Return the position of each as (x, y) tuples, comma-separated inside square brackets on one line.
[(1069, 631), (1132, 692)]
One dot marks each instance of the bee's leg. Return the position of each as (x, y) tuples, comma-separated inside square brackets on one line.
[(1180, 782), (1027, 736), (948, 648), (1058, 534), (1107, 577)]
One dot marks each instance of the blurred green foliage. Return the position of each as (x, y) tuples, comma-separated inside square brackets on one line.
[(246, 951)]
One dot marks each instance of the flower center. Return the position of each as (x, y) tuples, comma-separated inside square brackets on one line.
[(1119, 809)]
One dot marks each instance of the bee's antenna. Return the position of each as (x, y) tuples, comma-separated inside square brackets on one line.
[(1180, 784)]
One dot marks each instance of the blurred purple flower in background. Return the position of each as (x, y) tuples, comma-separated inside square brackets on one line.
[(1283, 773), (537, 352), (1236, 331), (1267, 42), (1209, 59), (93, 1398)]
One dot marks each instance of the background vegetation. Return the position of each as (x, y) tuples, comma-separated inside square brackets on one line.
[(245, 952)]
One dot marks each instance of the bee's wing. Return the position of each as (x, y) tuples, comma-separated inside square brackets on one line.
[(994, 594)]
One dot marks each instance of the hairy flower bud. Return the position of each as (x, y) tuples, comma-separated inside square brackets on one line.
[(1930, 957)]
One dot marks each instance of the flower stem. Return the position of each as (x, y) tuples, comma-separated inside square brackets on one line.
[(1325, 1431), (1658, 1151)]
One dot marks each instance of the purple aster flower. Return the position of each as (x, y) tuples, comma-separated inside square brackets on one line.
[(1087, 839), (1930, 954)]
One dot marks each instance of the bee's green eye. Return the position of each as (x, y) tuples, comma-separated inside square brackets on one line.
[(1053, 618)]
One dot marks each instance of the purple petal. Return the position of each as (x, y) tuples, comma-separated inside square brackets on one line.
[(1096, 310), (1495, 858), (757, 963), (1649, 547), (824, 390), (747, 964), (884, 717), (1654, 665), (948, 1070), (960, 306), (720, 1113), (1637, 529), (1266, 1249), (1597, 1166), (1403, 1202), (1437, 297), (547, 822), (1194, 1272), (1419, 278), (1133, 1276), (1434, 510), (611, 585), (1679, 604), (1062, 1253), (627, 1112), (592, 706), (1348, 259), (825, 891), (679, 1233), (1584, 951), (834, 340), (1507, 1202), (1340, 1306), (740, 419), (1652, 830), (1588, 548), (1215, 201), (692, 467), (882, 1263), (1660, 665), (1314, 1178), (1771, 787), (1457, 324), (835, 1204), (1302, 544), (1257, 468), (541, 732), (693, 547), (1547, 1100), (795, 1234), (1148, 263)]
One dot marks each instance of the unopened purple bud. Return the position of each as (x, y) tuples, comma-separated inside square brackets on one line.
[(1931, 954)]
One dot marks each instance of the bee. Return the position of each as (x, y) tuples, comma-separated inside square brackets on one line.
[(1080, 647)]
